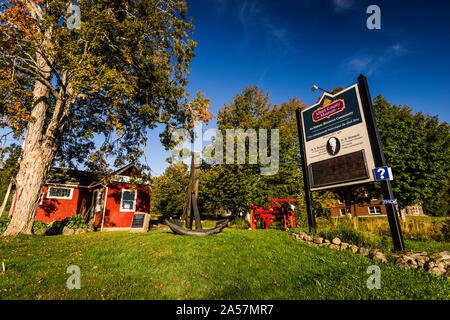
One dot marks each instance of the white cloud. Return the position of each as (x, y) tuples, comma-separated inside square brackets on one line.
[(340, 5), (369, 63), (359, 64)]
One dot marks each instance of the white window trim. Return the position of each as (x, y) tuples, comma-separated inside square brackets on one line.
[(98, 199), (134, 204), (416, 210), (53, 197), (375, 209)]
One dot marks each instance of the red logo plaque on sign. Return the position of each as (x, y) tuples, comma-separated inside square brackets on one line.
[(328, 109)]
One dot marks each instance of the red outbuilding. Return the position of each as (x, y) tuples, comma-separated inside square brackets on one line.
[(107, 205)]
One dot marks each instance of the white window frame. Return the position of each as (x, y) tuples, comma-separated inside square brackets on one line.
[(415, 210), (55, 197), (346, 212), (98, 199), (134, 204), (376, 208)]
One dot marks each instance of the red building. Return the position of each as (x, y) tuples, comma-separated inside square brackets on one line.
[(105, 205), (370, 209)]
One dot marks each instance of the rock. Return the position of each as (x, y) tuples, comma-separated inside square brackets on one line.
[(373, 252), (447, 273), (336, 241), (326, 241), (334, 246), (67, 231), (81, 230), (417, 255), (442, 265), (445, 255), (363, 251), (436, 271), (400, 263), (441, 256), (308, 238), (435, 256), (323, 244), (410, 262), (41, 231), (421, 262), (379, 256), (318, 240), (430, 264), (354, 248), (302, 234), (295, 235), (420, 258), (344, 246)]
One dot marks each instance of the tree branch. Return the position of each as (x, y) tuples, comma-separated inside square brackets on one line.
[(34, 9), (39, 77)]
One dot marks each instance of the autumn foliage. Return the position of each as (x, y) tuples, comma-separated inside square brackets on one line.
[(118, 75)]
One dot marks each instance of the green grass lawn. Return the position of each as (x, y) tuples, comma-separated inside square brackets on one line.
[(236, 264)]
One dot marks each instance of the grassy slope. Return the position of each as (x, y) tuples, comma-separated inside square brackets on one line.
[(237, 264)]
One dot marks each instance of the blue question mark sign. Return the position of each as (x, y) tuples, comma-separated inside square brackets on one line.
[(382, 173)]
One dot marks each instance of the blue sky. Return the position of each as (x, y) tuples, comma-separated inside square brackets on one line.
[(285, 46)]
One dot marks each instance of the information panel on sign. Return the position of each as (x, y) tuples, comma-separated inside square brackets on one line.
[(338, 151), (349, 167)]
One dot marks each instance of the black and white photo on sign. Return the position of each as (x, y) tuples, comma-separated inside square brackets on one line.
[(333, 146)]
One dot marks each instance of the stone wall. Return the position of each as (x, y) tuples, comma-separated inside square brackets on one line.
[(436, 263)]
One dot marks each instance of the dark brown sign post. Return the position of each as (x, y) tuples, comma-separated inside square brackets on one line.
[(341, 146), (380, 161), (306, 182)]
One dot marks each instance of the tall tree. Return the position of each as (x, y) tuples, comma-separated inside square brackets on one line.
[(417, 147), (170, 187), (238, 184), (117, 74)]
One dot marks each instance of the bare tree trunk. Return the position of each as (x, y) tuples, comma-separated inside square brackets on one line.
[(38, 154), (30, 182)]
